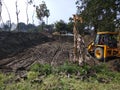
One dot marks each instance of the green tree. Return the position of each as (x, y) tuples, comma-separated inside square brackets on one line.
[(100, 14), (47, 14), (80, 26), (61, 26), (21, 26), (70, 27), (42, 11)]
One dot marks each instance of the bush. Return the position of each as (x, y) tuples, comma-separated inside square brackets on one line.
[(5, 79), (105, 79), (68, 68), (41, 68), (46, 69), (35, 67), (2, 79), (32, 75), (102, 68)]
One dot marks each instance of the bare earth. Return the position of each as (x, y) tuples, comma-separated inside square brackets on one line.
[(18, 51)]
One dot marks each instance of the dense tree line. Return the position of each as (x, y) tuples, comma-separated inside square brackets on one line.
[(100, 15), (59, 26)]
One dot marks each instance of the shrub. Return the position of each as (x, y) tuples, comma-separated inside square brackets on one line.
[(102, 68), (41, 68), (35, 67), (32, 75), (68, 68), (2, 79), (46, 69)]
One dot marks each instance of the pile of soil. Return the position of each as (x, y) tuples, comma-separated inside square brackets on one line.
[(18, 50), (12, 43)]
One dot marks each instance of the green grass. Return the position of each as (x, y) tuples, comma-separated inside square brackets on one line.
[(64, 77), (55, 82)]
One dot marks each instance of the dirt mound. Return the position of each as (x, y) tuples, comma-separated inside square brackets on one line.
[(51, 52), (12, 43), (19, 50)]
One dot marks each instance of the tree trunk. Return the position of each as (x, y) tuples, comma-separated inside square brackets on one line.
[(17, 13), (79, 45), (0, 9), (47, 20), (75, 43), (8, 15), (27, 12)]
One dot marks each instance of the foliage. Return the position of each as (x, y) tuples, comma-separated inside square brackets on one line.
[(42, 11), (7, 26), (60, 26), (81, 27), (42, 69), (70, 27), (68, 68), (49, 28), (73, 68), (21, 26), (32, 75), (103, 15), (54, 80), (102, 68), (35, 67), (4, 79), (26, 28)]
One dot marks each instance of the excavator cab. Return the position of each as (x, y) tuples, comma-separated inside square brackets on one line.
[(104, 46), (106, 39)]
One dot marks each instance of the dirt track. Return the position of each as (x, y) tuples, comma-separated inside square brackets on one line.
[(19, 50)]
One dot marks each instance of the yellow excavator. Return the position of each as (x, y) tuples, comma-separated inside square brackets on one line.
[(104, 46)]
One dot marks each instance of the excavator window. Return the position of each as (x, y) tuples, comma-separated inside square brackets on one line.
[(112, 40), (96, 41), (106, 39), (100, 39)]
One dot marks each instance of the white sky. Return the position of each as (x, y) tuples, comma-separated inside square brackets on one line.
[(59, 9)]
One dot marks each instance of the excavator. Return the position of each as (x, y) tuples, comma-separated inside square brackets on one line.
[(104, 46)]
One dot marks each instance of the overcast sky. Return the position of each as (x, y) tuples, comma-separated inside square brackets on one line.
[(59, 9)]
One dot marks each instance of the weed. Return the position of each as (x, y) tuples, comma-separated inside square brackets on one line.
[(68, 68), (53, 81), (102, 68), (35, 67), (43, 69), (32, 75)]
